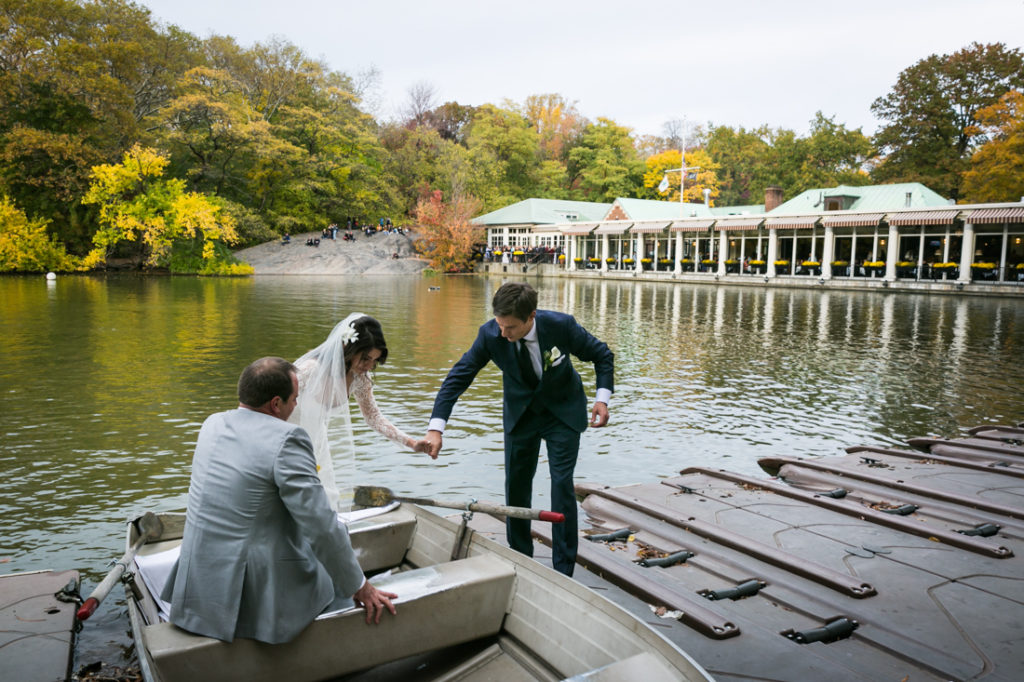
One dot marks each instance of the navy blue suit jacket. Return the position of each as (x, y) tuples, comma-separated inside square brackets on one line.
[(560, 388)]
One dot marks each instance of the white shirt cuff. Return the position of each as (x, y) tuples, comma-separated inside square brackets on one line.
[(437, 424), (603, 395)]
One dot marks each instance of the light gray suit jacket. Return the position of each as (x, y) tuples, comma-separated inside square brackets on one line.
[(262, 553)]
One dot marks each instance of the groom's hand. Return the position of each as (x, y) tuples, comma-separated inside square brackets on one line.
[(434, 442), (599, 415)]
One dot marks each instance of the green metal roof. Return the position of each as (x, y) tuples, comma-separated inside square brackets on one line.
[(652, 209), (868, 198), (544, 212), (750, 209)]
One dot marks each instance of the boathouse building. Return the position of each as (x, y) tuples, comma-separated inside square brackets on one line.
[(900, 235)]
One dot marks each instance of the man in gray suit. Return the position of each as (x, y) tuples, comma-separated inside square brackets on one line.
[(262, 553)]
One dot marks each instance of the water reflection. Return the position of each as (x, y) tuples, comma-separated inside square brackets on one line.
[(104, 383)]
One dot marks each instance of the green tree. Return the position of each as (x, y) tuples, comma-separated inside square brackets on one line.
[(744, 160), (833, 155), (929, 137), (503, 149), (997, 167), (605, 165)]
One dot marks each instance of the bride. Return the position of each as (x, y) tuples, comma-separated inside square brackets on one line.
[(328, 375)]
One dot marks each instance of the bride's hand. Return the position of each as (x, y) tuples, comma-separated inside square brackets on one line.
[(422, 445)]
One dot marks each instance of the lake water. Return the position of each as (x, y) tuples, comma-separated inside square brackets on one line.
[(105, 382)]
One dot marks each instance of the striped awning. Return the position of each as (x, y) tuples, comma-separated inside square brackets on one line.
[(702, 225), (650, 226), (578, 228), (546, 228), (742, 224), (614, 227), (862, 220), (802, 222), (924, 217), (988, 216)]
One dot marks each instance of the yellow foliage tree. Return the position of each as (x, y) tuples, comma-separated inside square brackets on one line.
[(448, 234), (706, 176), (997, 168), (138, 206), (25, 245)]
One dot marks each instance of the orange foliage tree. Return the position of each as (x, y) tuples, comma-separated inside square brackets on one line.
[(448, 234)]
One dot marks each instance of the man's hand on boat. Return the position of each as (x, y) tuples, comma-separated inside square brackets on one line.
[(374, 601)]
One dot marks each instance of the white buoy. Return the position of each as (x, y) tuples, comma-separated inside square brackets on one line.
[(51, 275)]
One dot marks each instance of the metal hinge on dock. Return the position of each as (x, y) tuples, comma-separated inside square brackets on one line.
[(746, 588), (832, 631)]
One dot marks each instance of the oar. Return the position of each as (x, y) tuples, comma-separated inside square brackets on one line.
[(377, 496), (150, 528)]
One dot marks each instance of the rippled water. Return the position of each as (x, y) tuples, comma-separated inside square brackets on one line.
[(105, 382)]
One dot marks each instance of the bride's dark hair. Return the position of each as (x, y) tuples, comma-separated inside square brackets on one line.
[(371, 336)]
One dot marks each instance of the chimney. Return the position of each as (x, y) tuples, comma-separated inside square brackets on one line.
[(910, 199), (707, 197), (772, 197)]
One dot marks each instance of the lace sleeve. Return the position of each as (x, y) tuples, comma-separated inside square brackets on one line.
[(362, 390)]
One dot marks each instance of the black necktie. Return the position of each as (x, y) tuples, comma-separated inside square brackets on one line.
[(526, 365)]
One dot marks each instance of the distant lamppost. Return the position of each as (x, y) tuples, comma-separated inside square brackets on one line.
[(664, 185)]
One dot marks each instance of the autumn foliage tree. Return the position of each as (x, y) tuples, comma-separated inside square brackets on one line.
[(448, 234), (140, 208), (930, 134), (997, 168)]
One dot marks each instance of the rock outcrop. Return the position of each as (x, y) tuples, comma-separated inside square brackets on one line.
[(365, 256)]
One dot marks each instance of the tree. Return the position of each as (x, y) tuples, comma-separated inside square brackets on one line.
[(931, 110), (744, 159), (451, 120), (605, 165), (422, 100), (833, 155), (704, 176), (997, 167), (140, 208), (25, 246), (558, 123), (449, 236), (503, 150)]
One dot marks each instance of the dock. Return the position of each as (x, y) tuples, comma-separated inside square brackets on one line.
[(885, 563), (37, 625)]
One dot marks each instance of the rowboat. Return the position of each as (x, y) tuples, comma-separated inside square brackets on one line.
[(486, 613)]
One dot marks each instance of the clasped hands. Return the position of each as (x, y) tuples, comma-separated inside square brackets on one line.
[(431, 443)]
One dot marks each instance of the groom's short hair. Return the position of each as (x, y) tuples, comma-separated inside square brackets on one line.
[(514, 298), (264, 379)]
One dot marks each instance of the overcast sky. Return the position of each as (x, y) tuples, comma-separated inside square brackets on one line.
[(732, 62)]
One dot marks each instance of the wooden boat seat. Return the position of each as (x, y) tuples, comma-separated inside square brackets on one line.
[(438, 606)]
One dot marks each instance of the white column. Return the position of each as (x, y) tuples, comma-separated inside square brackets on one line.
[(677, 266), (723, 250), (773, 250), (920, 254), (604, 253), (827, 252), (893, 254), (1002, 255), (966, 253)]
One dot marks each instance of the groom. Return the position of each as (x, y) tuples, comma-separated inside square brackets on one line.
[(544, 400)]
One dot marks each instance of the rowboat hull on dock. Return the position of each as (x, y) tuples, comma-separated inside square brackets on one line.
[(493, 614)]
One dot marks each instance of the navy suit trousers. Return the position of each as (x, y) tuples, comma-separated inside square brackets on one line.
[(522, 449)]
